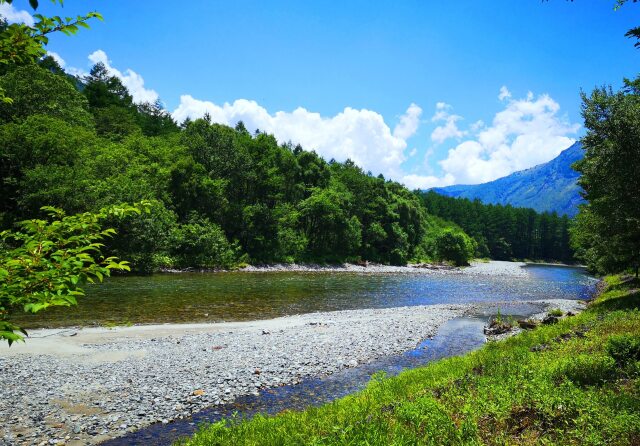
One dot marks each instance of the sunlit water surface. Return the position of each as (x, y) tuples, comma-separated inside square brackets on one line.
[(237, 296)]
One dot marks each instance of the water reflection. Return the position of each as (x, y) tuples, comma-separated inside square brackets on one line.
[(209, 297)]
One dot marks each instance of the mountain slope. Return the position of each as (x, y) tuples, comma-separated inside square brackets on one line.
[(547, 187)]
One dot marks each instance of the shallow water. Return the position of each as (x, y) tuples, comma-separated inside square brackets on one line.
[(236, 296), (455, 337)]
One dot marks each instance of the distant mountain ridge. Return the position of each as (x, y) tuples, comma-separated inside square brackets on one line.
[(551, 186)]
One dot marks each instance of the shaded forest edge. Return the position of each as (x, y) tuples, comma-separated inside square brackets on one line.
[(573, 382), (220, 197)]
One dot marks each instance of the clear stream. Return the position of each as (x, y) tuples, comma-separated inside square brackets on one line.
[(237, 296), (242, 296)]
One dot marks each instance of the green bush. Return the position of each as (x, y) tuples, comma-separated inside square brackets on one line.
[(202, 244), (586, 370), (624, 349), (557, 312), (143, 239), (455, 246)]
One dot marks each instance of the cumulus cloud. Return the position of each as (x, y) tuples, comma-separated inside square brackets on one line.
[(359, 135), (14, 15), (450, 127), (414, 181), (57, 58), (130, 79), (526, 133), (409, 122), (504, 93)]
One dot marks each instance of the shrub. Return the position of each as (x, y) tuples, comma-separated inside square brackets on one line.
[(200, 243), (557, 312), (455, 246), (587, 370), (624, 349)]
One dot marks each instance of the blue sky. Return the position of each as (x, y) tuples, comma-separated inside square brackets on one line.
[(409, 88)]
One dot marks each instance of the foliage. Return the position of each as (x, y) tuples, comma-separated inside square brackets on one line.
[(607, 231), (624, 348), (200, 243), (37, 91), (508, 392), (506, 232), (45, 262), (556, 312), (24, 45), (455, 246)]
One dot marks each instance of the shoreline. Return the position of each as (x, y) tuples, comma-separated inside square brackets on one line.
[(476, 267), (102, 383)]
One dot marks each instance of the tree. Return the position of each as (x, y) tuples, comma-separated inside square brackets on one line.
[(104, 90), (608, 226), (455, 246), (202, 244), (35, 90), (24, 45), (46, 262)]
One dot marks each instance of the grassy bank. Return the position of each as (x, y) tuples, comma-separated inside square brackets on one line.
[(575, 382)]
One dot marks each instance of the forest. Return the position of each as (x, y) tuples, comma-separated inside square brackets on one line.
[(506, 232)]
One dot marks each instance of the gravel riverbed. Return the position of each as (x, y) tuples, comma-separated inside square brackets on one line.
[(82, 386)]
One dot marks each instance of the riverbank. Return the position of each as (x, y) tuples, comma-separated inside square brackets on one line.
[(85, 386), (573, 382), (494, 267)]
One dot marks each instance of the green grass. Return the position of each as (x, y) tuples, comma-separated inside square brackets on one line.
[(572, 383), (557, 312)]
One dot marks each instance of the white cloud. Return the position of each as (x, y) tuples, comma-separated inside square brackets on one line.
[(57, 58), (504, 93), (414, 181), (130, 79), (526, 133), (477, 125), (409, 122), (450, 128), (360, 135), (14, 15)]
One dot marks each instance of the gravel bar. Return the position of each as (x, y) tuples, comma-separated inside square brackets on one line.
[(82, 386)]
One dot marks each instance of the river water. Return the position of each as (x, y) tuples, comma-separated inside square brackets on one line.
[(257, 295), (238, 296)]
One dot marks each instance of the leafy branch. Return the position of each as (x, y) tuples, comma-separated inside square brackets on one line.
[(46, 261), (21, 44)]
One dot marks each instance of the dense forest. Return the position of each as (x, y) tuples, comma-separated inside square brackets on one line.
[(506, 232)]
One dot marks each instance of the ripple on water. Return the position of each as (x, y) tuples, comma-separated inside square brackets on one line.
[(238, 296)]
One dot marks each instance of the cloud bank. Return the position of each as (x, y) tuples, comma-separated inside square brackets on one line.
[(527, 132), (14, 15), (359, 135)]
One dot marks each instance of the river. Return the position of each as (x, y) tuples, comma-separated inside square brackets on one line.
[(243, 296)]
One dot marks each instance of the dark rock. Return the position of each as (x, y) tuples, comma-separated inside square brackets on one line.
[(539, 348), (527, 324)]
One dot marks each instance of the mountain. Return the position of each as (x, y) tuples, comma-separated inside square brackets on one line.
[(547, 187)]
